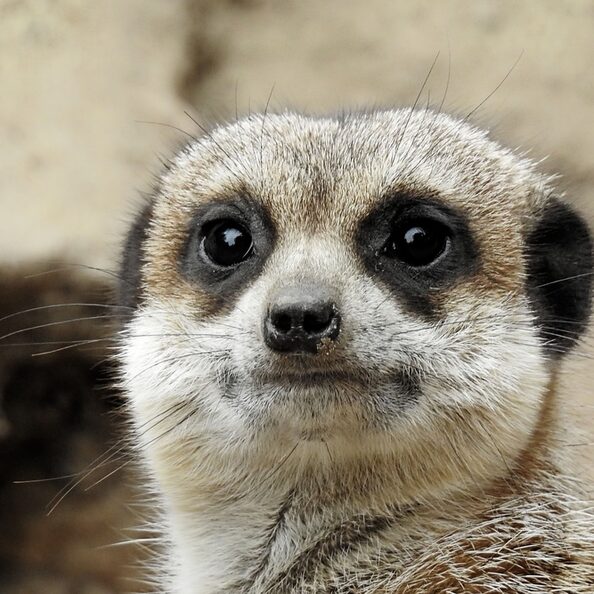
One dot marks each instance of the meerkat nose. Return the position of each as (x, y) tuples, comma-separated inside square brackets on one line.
[(299, 318)]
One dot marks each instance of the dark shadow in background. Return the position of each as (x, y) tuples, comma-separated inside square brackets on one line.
[(59, 411)]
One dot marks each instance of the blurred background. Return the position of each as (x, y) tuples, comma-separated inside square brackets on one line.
[(90, 96)]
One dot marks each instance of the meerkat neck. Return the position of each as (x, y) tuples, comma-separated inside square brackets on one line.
[(237, 534), (257, 543)]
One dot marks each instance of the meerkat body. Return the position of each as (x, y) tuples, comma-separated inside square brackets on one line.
[(342, 356)]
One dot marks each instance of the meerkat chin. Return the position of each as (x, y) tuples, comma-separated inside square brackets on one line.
[(341, 360)]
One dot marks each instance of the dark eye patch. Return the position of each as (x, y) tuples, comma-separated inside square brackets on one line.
[(228, 243), (559, 276), (129, 277), (417, 246)]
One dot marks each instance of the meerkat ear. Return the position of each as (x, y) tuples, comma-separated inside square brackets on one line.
[(129, 281), (559, 270)]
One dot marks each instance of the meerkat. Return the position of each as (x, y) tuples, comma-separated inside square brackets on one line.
[(341, 360)]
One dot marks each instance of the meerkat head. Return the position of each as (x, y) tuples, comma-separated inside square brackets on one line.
[(383, 286)]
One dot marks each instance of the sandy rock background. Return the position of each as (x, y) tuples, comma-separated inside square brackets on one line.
[(80, 79)]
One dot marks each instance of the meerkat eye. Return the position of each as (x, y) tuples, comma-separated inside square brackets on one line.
[(417, 242), (226, 242)]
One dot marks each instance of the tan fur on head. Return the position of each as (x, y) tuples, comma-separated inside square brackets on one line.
[(408, 449)]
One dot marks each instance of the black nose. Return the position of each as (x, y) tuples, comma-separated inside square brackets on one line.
[(299, 319)]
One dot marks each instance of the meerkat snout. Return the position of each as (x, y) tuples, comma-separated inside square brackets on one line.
[(300, 319)]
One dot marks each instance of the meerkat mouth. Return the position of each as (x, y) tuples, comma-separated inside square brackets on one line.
[(404, 386), (310, 378), (301, 370)]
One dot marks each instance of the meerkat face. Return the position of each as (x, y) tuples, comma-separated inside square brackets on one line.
[(392, 281)]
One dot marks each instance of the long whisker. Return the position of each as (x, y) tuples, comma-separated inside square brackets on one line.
[(562, 280), (219, 147), (50, 324), (414, 106), (67, 266), (282, 462), (68, 347), (62, 305), (168, 126), (171, 360), (117, 339), (106, 458), (513, 67), (447, 86), (108, 475), (262, 133)]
